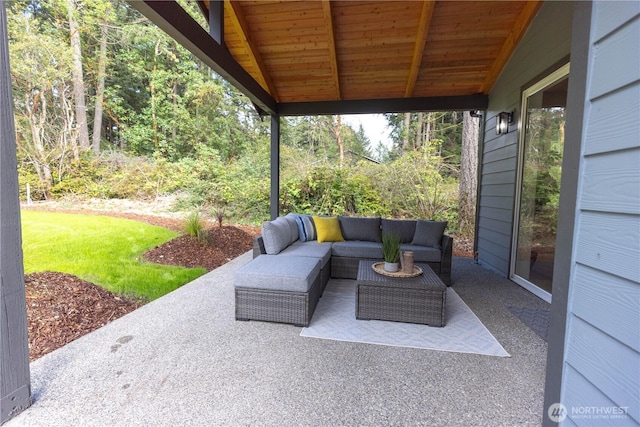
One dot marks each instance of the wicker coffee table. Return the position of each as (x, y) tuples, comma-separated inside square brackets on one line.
[(418, 299)]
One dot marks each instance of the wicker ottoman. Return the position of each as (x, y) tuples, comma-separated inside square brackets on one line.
[(418, 299), (275, 288)]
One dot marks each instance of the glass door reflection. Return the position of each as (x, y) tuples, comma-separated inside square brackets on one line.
[(544, 109)]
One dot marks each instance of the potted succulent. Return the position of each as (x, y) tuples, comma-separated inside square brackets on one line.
[(391, 252)]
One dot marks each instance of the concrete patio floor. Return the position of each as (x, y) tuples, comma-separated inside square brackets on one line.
[(184, 360)]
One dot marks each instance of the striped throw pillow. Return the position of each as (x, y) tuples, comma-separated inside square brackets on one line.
[(306, 229)]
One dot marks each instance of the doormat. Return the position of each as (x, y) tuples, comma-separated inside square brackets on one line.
[(537, 319)]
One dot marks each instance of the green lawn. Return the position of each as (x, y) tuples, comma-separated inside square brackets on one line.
[(102, 250)]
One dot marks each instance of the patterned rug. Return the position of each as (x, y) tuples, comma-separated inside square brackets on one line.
[(537, 319), (463, 332)]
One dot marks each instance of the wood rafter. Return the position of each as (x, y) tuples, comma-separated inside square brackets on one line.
[(240, 25), (421, 40), (516, 34), (328, 19)]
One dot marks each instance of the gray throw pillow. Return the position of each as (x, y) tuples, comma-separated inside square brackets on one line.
[(276, 235), (358, 228), (429, 233), (293, 226), (403, 228)]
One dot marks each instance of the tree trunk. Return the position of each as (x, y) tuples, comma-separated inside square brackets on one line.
[(338, 134), (102, 65), (152, 89), (468, 175), (78, 80), (405, 132), (418, 141), (429, 128), (39, 156), (69, 136), (174, 101)]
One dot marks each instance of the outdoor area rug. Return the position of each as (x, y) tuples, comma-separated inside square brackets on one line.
[(334, 319)]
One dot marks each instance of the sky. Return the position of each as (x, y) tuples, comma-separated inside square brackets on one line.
[(374, 125)]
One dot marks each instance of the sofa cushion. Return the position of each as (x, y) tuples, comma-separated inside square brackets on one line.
[(276, 235), (429, 233), (321, 251), (423, 253), (358, 228), (293, 226), (328, 229), (404, 228), (279, 273), (357, 249), (306, 229)]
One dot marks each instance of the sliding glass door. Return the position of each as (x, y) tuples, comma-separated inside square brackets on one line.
[(538, 185)]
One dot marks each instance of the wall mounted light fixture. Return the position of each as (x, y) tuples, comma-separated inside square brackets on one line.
[(502, 122)]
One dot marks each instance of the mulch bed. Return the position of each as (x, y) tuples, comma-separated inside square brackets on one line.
[(61, 307), (223, 244)]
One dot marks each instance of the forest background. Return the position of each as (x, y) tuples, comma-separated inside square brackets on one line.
[(108, 106)]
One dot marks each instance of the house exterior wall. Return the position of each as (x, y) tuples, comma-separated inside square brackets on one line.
[(545, 44), (601, 364)]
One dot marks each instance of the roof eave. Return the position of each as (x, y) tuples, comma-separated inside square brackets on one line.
[(178, 24)]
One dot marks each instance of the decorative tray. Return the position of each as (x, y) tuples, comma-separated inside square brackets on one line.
[(378, 267)]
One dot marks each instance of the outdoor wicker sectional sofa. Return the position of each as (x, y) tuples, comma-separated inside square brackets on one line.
[(296, 255)]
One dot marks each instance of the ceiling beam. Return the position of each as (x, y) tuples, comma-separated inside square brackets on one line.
[(239, 22), (328, 19), (178, 24), (421, 41), (392, 105), (519, 29)]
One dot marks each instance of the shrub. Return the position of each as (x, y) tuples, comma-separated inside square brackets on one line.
[(331, 190), (83, 178), (414, 186), (26, 175)]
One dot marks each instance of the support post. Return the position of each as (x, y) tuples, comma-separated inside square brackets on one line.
[(216, 21), (577, 93), (15, 387), (275, 167)]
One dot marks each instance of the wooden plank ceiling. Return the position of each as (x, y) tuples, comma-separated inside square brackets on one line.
[(314, 51)]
